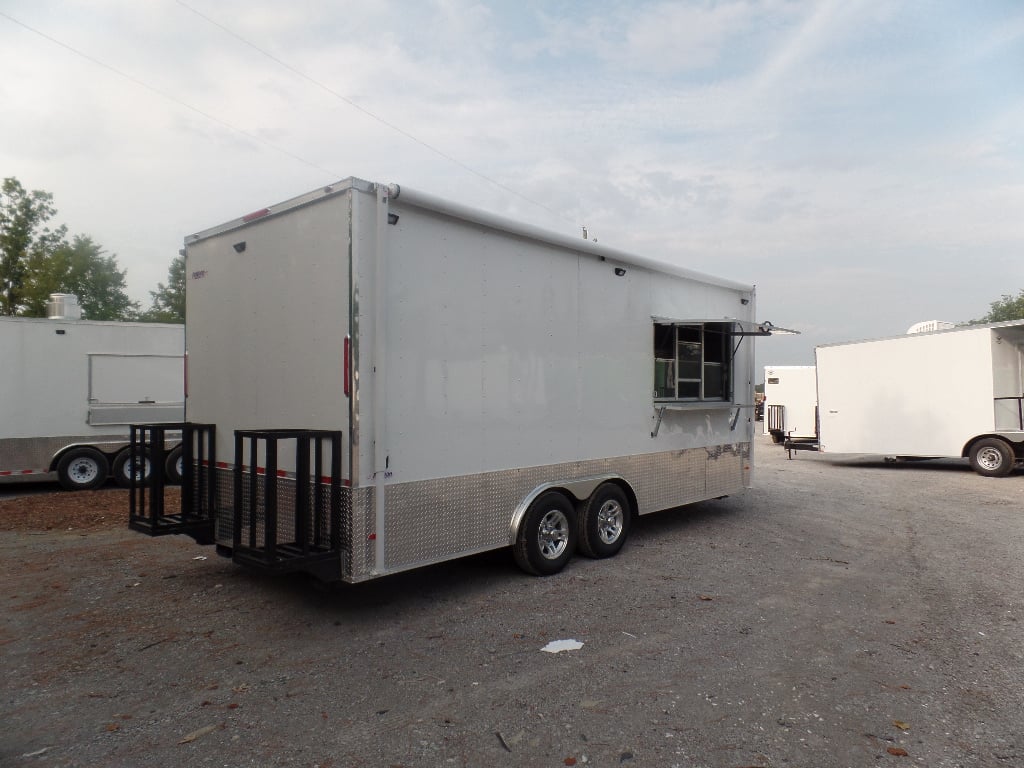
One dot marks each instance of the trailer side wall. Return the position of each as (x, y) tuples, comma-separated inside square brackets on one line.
[(795, 388), (918, 395), (503, 353), (65, 383)]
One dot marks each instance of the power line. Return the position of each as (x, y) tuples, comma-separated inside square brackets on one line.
[(248, 134), (327, 89), (169, 97)]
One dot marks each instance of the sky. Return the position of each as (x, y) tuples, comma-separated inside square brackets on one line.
[(860, 161)]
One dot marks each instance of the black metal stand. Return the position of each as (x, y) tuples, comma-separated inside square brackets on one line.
[(288, 521), (146, 512)]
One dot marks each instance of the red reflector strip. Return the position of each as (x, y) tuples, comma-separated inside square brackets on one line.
[(256, 215), (327, 481), (372, 537), (11, 472), (259, 471)]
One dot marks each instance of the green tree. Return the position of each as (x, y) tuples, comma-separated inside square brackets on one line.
[(169, 300), (80, 268), (23, 234), (1008, 307)]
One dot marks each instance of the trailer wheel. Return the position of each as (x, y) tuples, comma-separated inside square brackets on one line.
[(547, 536), (992, 457), (123, 467), (603, 521), (174, 466), (82, 469)]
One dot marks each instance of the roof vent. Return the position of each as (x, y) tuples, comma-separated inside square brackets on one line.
[(63, 306), (927, 326)]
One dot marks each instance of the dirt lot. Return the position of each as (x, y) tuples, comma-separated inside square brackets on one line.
[(838, 614)]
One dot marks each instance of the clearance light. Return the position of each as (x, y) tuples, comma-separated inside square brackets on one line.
[(256, 215)]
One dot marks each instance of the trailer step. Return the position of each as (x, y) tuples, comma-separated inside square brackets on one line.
[(200, 529), (323, 563)]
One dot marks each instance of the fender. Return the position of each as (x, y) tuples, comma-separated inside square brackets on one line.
[(581, 489)]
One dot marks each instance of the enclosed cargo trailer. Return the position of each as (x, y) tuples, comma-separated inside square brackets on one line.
[(70, 388), (379, 380), (790, 402), (946, 393)]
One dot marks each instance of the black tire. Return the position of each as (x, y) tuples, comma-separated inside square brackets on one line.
[(546, 539), (992, 457), (122, 467), (82, 469), (603, 521), (173, 467)]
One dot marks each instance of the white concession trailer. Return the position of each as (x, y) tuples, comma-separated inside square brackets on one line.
[(379, 379), (946, 393), (70, 388), (790, 402)]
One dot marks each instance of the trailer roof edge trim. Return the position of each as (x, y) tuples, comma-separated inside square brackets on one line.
[(62, 322), (494, 221), (408, 196), (288, 205), (940, 331)]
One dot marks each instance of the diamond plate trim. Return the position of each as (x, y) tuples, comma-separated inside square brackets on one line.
[(436, 520), (433, 521)]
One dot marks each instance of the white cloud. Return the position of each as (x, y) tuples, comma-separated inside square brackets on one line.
[(807, 147)]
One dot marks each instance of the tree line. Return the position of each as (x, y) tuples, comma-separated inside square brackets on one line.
[(38, 258), (36, 261), (1008, 307)]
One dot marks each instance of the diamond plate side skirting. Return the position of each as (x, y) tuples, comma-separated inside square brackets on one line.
[(431, 521), (436, 520), (35, 453)]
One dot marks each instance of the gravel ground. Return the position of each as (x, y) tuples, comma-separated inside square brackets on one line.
[(840, 613)]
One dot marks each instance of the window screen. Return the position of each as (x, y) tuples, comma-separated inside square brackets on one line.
[(692, 361)]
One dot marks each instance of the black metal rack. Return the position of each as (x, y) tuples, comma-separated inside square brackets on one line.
[(288, 521), (776, 418), (146, 510)]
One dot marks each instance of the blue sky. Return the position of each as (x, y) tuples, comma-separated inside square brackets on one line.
[(861, 162)]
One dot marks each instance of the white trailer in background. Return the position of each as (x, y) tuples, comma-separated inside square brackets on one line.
[(790, 402), (946, 393), (381, 380), (70, 388)]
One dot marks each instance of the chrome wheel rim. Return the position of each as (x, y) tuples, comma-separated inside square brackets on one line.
[(553, 534), (610, 519)]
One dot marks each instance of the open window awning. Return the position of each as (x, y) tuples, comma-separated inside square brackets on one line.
[(740, 327), (764, 328)]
